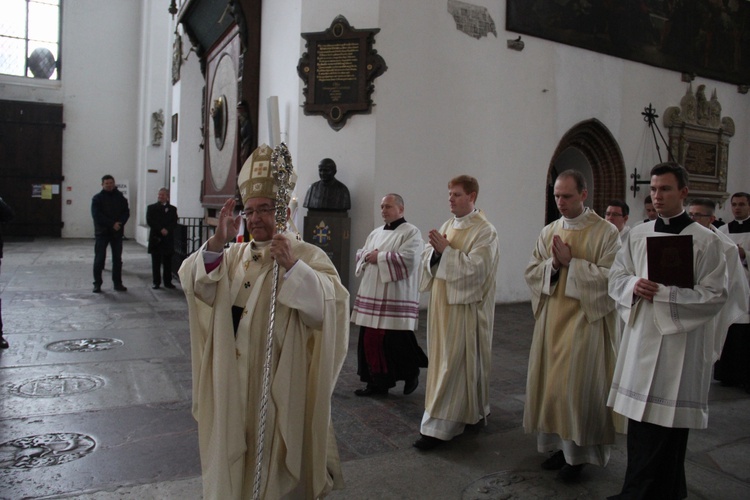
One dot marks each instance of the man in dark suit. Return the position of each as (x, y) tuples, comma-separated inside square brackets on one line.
[(161, 217), (110, 211), (6, 214)]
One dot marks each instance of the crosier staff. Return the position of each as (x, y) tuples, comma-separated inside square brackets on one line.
[(284, 180)]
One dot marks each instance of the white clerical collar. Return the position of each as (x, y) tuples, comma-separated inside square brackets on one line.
[(742, 221), (463, 222), (569, 222), (667, 219)]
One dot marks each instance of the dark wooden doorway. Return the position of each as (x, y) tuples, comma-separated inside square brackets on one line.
[(31, 167)]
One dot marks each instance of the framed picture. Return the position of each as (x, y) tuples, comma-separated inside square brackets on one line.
[(700, 37), (174, 127)]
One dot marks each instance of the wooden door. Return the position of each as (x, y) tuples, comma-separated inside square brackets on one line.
[(31, 167)]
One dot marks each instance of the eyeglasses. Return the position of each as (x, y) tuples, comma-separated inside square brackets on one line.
[(613, 214), (262, 212), (698, 215)]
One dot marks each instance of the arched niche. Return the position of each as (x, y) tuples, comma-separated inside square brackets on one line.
[(590, 148)]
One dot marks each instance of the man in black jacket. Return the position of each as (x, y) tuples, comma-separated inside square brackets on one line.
[(161, 217), (110, 211), (6, 214)]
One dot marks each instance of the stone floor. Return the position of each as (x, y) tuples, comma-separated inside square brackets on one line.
[(95, 403)]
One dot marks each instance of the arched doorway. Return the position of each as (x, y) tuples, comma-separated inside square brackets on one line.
[(590, 148)]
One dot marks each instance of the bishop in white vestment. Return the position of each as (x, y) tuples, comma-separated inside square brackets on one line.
[(229, 295)]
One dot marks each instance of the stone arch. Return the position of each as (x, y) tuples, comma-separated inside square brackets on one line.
[(589, 142)]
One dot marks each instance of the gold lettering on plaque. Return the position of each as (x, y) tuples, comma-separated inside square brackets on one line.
[(337, 62)]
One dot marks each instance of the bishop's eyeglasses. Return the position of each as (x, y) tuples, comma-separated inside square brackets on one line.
[(261, 212)]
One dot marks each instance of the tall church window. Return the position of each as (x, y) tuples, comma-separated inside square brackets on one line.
[(30, 38)]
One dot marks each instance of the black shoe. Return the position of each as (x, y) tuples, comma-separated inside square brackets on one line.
[(570, 473), (411, 385), (97, 288), (155, 286), (555, 462), (371, 391), (121, 288), (426, 443), (3, 343), (169, 285)]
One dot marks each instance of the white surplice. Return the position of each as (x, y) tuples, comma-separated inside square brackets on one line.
[(663, 369), (388, 295)]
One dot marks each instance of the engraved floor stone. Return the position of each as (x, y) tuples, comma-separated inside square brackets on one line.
[(85, 387), (137, 343), (521, 484), (44, 450), (84, 345), (55, 386)]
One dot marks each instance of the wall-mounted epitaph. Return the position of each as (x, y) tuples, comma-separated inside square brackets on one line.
[(338, 69), (699, 140)]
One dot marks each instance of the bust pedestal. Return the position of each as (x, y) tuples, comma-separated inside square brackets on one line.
[(331, 232)]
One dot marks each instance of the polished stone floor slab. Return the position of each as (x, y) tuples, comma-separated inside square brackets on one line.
[(133, 445), (124, 344), (83, 387)]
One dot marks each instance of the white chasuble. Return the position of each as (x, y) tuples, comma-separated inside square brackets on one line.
[(310, 343), (460, 319), (574, 346)]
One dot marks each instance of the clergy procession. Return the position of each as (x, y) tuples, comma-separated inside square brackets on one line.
[(627, 328)]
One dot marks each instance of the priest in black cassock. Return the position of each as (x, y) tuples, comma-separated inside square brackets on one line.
[(161, 217)]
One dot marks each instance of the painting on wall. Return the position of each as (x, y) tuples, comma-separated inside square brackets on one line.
[(709, 38)]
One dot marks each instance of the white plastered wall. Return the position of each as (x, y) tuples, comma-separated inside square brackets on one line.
[(101, 69), (451, 104)]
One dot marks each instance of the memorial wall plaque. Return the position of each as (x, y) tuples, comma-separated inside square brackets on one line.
[(338, 70), (699, 139)]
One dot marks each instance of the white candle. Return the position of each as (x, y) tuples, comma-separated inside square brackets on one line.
[(274, 129)]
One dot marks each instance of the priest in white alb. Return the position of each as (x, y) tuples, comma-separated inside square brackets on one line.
[(737, 307), (733, 369), (229, 295), (458, 269), (574, 346), (663, 370)]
